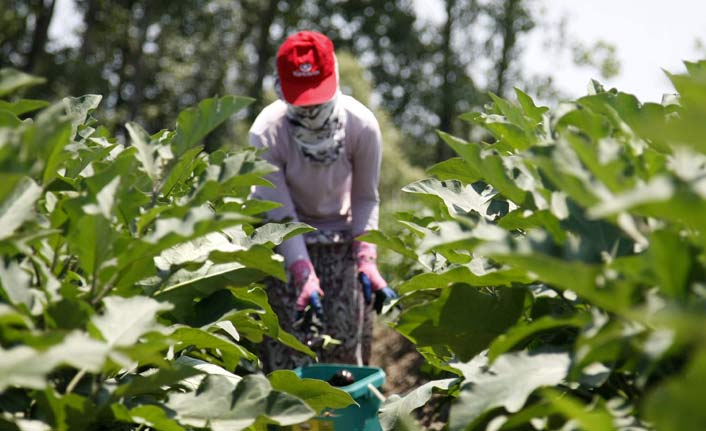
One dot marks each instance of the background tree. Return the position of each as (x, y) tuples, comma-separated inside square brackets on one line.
[(152, 59)]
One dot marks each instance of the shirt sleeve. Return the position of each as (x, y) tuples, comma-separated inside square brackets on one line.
[(365, 200), (293, 249)]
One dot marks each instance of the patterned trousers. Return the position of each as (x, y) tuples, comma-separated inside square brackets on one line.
[(346, 317)]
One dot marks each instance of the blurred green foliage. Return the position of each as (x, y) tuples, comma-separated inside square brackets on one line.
[(152, 59), (558, 278)]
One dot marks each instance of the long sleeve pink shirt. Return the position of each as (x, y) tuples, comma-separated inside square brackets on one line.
[(342, 195)]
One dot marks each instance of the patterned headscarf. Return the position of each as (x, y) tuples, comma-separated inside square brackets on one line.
[(318, 130)]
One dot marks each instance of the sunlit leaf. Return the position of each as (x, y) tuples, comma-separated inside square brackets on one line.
[(463, 318), (508, 383), (125, 320), (396, 407), (227, 406), (12, 80), (194, 124), (316, 393), (19, 206)]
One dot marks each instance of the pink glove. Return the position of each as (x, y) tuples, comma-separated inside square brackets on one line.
[(366, 256), (306, 281)]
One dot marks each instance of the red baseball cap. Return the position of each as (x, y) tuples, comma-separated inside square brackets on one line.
[(306, 66)]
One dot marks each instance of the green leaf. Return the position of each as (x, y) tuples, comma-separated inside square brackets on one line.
[(487, 167), (79, 351), (194, 124), (508, 383), (43, 143), (205, 368), (145, 149), (576, 276), (10, 316), (16, 285), (671, 262), (316, 393), (19, 206), (521, 220), (155, 418), (244, 169), (180, 171), (125, 320), (227, 406), (79, 108), (105, 200), (510, 137), (659, 189), (521, 332), (272, 234), (453, 169), (463, 318), (677, 404), (596, 419), (9, 120), (221, 249), (396, 408), (458, 198), (24, 367), (187, 337), (258, 297), (473, 274), (263, 259), (531, 110), (394, 244), (12, 80), (23, 106), (155, 382), (92, 240), (514, 114)]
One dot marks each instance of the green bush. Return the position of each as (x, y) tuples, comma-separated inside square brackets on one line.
[(129, 295), (562, 272)]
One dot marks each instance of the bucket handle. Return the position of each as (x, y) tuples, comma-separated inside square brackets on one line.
[(376, 392)]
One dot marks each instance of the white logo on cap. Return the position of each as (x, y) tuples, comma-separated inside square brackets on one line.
[(305, 70)]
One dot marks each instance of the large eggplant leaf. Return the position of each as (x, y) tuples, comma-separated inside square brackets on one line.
[(463, 318), (18, 206), (475, 274), (155, 418), (316, 393), (595, 419), (396, 408), (458, 198), (125, 320), (194, 124), (453, 169), (507, 383), (226, 406), (520, 332)]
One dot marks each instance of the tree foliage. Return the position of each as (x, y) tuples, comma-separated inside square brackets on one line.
[(151, 60)]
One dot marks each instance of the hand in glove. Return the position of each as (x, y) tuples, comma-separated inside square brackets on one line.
[(305, 280), (370, 279)]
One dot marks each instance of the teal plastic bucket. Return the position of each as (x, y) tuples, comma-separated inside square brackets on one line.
[(352, 418)]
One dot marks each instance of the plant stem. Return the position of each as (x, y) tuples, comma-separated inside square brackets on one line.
[(72, 384)]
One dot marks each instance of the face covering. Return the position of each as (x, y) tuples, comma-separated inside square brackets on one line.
[(318, 130)]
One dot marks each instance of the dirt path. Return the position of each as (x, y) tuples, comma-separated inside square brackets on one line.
[(400, 360), (402, 364)]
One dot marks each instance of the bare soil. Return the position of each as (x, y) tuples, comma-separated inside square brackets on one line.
[(402, 364)]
